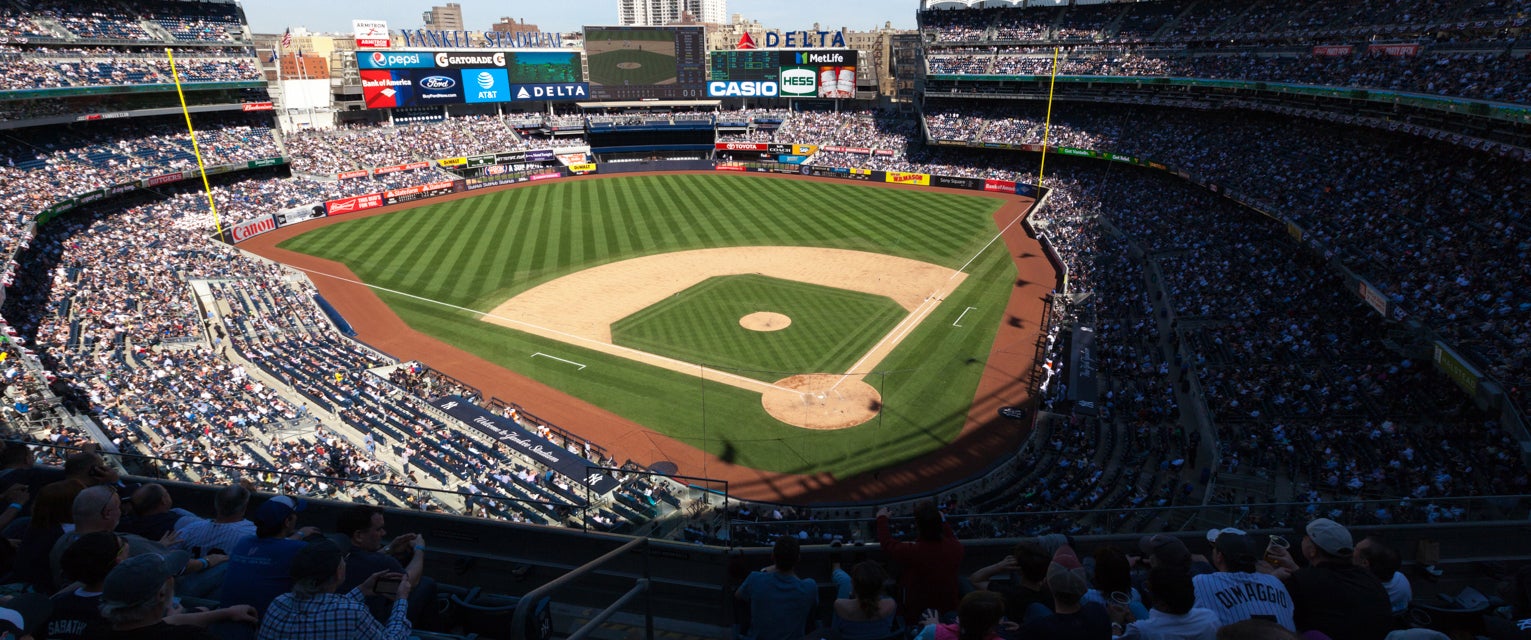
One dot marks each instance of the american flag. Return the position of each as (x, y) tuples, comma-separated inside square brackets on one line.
[(287, 38)]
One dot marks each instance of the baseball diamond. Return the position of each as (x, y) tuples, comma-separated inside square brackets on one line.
[(484, 252)]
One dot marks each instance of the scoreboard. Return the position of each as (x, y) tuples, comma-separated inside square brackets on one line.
[(422, 78), (646, 63), (783, 73)]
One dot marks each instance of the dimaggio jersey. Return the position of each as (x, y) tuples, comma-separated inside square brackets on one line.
[(1240, 596)]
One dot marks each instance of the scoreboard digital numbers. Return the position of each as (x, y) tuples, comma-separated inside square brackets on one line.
[(646, 63), (749, 65)]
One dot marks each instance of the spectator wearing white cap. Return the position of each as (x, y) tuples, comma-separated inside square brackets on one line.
[(1332, 595), (1071, 618), (137, 597), (1237, 591)]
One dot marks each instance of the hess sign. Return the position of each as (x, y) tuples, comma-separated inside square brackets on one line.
[(743, 89)]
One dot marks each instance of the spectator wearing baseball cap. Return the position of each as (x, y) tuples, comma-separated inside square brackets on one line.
[(1175, 614), (136, 597), (1071, 618), (1237, 591), (1332, 595), (260, 566), (23, 616)]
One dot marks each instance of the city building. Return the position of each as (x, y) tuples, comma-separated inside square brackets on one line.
[(510, 25), (448, 18), (655, 13)]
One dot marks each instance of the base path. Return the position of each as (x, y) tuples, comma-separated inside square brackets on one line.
[(1007, 378)]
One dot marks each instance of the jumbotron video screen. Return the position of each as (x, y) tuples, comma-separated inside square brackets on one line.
[(646, 63)]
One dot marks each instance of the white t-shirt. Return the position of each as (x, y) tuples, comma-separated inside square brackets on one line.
[(1237, 596), (1399, 592)]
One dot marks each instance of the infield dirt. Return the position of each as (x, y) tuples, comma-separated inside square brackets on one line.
[(1007, 378)]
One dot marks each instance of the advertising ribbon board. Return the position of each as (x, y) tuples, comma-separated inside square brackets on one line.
[(259, 106), (582, 168), (956, 182), (351, 175), (474, 162), (511, 434), (740, 146), (899, 177), (1394, 49), (164, 179), (265, 162), (999, 186), (1333, 50), (730, 167), (452, 162), (1373, 297), (251, 228), (1456, 368), (352, 204)]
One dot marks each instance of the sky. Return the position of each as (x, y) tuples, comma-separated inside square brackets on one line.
[(273, 16)]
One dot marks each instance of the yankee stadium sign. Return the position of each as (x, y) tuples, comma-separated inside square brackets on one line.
[(485, 39)]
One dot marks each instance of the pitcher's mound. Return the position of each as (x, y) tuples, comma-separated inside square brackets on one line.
[(628, 66), (765, 321), (812, 404)]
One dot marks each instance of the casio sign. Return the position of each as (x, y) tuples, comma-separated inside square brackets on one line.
[(744, 89), (799, 82), (438, 83)]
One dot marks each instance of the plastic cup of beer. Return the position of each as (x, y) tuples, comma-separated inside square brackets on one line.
[(1277, 542), (1119, 602)]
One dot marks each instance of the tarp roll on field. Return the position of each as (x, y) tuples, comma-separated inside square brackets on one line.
[(340, 321), (531, 445)]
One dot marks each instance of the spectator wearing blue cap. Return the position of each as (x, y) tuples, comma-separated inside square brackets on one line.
[(137, 597), (260, 566)]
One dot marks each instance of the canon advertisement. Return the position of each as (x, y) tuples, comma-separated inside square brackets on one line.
[(829, 73)]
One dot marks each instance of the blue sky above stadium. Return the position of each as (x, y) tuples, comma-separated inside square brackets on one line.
[(272, 16)]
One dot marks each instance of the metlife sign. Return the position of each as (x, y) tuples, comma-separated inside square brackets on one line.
[(743, 89)]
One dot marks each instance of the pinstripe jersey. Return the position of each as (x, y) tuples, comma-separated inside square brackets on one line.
[(1237, 596)]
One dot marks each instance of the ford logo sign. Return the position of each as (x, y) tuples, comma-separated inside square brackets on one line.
[(438, 83)]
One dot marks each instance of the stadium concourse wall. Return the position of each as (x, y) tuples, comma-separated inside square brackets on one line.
[(1468, 376)]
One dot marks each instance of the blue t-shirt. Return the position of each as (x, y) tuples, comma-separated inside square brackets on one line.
[(779, 605), (260, 569)]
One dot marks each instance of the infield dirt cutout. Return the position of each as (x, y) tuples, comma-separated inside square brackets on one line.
[(765, 321), (580, 308)]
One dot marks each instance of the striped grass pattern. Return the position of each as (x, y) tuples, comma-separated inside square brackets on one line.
[(830, 330), (478, 252), (652, 68)]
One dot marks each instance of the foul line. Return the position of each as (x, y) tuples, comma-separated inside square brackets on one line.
[(917, 316), (959, 317), (539, 353), (741, 381)]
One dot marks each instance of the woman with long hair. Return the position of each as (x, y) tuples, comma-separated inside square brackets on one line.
[(868, 614), (978, 618)]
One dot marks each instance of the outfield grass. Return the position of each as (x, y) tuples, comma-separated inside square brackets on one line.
[(831, 328), (478, 252), (653, 68)]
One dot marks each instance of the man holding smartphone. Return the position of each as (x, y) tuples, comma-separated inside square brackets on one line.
[(314, 611), (363, 528)]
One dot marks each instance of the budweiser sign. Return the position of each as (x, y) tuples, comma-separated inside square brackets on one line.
[(249, 229), (258, 106), (1394, 49), (357, 203)]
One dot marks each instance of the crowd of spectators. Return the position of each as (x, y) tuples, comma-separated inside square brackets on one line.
[(93, 68), (369, 146), (1188, 21), (1468, 290)]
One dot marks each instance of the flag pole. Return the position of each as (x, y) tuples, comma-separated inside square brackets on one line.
[(195, 149)]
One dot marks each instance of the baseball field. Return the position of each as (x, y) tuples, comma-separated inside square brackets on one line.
[(789, 326)]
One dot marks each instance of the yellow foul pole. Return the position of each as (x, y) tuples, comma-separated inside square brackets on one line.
[(195, 149), (1047, 126)]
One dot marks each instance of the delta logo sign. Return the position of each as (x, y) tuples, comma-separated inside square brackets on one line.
[(794, 40)]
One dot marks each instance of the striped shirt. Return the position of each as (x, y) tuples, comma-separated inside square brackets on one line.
[(205, 534), (1237, 596)]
